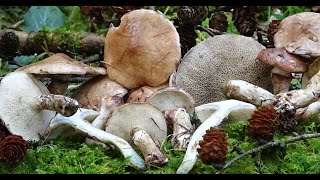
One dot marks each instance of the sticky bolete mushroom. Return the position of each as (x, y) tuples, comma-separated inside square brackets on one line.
[(143, 51), (210, 64), (90, 93), (60, 67), (299, 34), (26, 106), (143, 126), (284, 65), (177, 107)]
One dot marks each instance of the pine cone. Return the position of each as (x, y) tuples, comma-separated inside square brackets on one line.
[(192, 14), (219, 22), (9, 45), (94, 12), (244, 19), (188, 37), (121, 10), (213, 148), (272, 30), (262, 123)]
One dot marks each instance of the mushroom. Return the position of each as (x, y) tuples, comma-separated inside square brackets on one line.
[(214, 114), (78, 122), (313, 69), (143, 93), (214, 61), (108, 105), (177, 107), (60, 67), (284, 65), (90, 93), (143, 51), (27, 107), (143, 126), (299, 34)]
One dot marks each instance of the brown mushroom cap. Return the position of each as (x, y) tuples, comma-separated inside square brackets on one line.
[(61, 64), (90, 93), (282, 59), (170, 98), (210, 64), (143, 93), (18, 110), (142, 115), (143, 51), (299, 34)]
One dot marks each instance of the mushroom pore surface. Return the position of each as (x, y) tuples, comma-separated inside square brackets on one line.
[(208, 66)]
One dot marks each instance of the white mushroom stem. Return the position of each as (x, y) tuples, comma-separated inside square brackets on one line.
[(307, 112), (247, 92), (281, 80), (85, 128), (223, 109), (150, 150), (59, 103), (108, 105), (181, 125)]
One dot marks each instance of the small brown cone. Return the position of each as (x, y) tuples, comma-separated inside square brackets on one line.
[(272, 30), (262, 123), (219, 22), (213, 148), (244, 19), (192, 14)]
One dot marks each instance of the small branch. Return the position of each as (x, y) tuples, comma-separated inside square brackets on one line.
[(270, 144), (210, 31)]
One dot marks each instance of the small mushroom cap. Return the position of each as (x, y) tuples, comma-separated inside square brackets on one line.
[(18, 96), (90, 93), (142, 115), (170, 98), (213, 62), (61, 64), (299, 34), (143, 51), (143, 93), (280, 58)]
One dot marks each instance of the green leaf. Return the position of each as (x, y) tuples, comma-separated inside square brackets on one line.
[(40, 17)]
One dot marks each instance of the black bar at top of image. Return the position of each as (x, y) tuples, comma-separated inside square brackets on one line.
[(159, 2)]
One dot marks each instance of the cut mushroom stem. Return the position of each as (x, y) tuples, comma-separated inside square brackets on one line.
[(180, 121), (108, 105), (221, 112), (177, 106), (281, 80), (59, 103), (307, 112), (247, 92), (89, 131), (151, 151)]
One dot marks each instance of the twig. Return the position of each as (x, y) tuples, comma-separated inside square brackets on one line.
[(17, 24), (210, 31), (270, 144)]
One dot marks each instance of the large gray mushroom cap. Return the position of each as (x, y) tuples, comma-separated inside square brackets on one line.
[(209, 65)]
